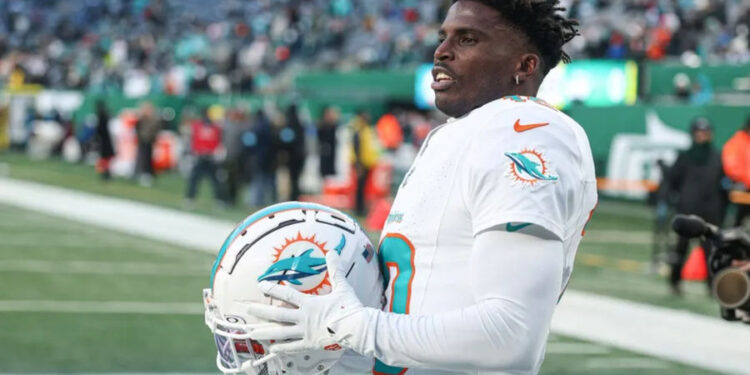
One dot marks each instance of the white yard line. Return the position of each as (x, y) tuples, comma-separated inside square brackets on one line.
[(631, 363), (576, 348), (162, 224), (680, 336), (104, 268), (683, 337), (102, 307), (619, 237)]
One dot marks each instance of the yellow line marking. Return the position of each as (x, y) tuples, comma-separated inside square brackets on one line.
[(592, 260), (626, 265), (629, 265)]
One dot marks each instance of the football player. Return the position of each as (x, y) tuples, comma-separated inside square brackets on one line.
[(480, 241)]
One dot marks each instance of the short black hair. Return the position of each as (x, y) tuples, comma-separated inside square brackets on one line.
[(540, 21)]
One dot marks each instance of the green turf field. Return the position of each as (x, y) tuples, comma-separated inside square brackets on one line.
[(614, 258), (93, 300), (64, 261), (44, 258)]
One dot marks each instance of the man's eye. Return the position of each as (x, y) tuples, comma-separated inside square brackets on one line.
[(468, 41)]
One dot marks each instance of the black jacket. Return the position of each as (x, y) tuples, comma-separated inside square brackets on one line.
[(697, 179)]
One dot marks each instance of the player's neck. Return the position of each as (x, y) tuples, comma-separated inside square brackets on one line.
[(524, 89)]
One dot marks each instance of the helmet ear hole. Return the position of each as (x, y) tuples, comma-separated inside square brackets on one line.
[(286, 244)]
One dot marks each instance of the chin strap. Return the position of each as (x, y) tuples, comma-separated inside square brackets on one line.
[(259, 362), (245, 366)]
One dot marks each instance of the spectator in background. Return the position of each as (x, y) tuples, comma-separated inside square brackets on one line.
[(696, 178), (364, 155), (663, 202), (248, 157), (327, 142), (103, 140), (617, 49), (146, 130), (66, 125), (234, 128), (205, 145), (4, 124), (264, 152), (682, 86), (736, 159), (389, 132), (292, 155)]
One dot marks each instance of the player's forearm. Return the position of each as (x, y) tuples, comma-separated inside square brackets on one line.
[(489, 335), (505, 330)]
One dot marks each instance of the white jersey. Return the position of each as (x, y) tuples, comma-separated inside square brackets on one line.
[(515, 163)]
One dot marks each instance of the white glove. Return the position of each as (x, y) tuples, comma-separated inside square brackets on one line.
[(310, 322)]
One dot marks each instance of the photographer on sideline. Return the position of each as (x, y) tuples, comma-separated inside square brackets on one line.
[(696, 178)]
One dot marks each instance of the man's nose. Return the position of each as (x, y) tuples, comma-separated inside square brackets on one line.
[(443, 52)]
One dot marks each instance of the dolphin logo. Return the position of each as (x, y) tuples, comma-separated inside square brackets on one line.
[(341, 245), (294, 268), (530, 168)]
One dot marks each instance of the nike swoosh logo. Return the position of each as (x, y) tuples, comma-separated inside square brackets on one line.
[(515, 228), (522, 128)]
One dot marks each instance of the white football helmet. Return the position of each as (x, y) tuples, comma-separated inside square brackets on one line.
[(284, 243)]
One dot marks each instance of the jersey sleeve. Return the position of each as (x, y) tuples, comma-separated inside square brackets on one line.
[(523, 168), (506, 329)]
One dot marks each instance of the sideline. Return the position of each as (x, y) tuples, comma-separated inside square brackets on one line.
[(162, 224), (679, 336)]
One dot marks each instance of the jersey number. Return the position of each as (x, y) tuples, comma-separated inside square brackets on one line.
[(397, 265)]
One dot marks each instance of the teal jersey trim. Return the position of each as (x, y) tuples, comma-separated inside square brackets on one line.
[(515, 228), (257, 216)]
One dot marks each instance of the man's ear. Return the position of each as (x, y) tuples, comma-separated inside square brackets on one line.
[(528, 66)]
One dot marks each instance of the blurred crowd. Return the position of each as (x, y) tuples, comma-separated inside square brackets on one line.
[(171, 46), (151, 46), (254, 157), (696, 31)]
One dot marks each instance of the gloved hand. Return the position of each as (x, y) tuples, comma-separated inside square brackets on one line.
[(311, 321)]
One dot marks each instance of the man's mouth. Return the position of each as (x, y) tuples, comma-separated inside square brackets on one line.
[(441, 80)]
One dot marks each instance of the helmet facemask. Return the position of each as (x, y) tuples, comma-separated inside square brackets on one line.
[(238, 353)]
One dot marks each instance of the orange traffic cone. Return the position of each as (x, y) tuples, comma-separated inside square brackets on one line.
[(695, 268)]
